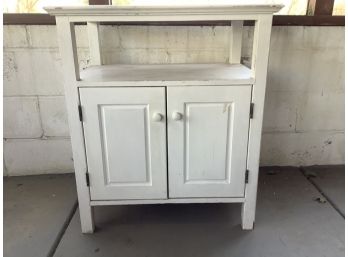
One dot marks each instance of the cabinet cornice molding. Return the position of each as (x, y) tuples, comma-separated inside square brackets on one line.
[(163, 10)]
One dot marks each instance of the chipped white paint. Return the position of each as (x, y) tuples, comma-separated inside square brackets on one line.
[(305, 87), (123, 140), (202, 163), (102, 113)]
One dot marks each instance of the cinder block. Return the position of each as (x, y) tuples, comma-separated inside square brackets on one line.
[(306, 59), (304, 37), (158, 56), (33, 72), (111, 56), (320, 37), (4, 170), (81, 36), (247, 41), (321, 111), (47, 67), (208, 37), (171, 38), (18, 73), (287, 37), (35, 156), (147, 40), (137, 56), (302, 149), (15, 36), (109, 37), (280, 111), (54, 116), (83, 57), (42, 36), (134, 36), (326, 73), (207, 56), (22, 117), (288, 70)]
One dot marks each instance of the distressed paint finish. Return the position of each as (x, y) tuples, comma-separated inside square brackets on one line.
[(259, 64), (207, 147), (67, 45), (125, 144), (109, 113)]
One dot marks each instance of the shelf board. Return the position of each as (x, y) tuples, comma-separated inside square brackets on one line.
[(167, 75)]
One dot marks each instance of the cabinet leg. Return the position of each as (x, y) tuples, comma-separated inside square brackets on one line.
[(248, 216), (86, 218)]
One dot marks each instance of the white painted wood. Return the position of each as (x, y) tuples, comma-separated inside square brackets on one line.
[(169, 73), (172, 201), (168, 18), (159, 83), (126, 149), (94, 43), (66, 39), (193, 11), (236, 42), (125, 125), (163, 13), (261, 43), (207, 148)]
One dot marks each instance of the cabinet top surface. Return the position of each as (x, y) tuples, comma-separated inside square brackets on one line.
[(208, 9)]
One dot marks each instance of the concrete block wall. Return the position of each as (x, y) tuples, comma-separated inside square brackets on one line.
[(304, 111)]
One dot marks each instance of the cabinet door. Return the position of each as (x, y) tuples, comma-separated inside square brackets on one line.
[(207, 140), (125, 136)]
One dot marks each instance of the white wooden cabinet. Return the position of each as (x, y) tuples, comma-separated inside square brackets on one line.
[(171, 133)]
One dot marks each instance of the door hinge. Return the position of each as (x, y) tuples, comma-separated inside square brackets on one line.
[(80, 112), (87, 179), (246, 176), (251, 115)]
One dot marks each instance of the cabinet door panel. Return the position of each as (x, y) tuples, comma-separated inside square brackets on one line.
[(125, 148), (207, 148)]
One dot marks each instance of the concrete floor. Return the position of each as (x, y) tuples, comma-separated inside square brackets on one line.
[(36, 208), (329, 182), (290, 221)]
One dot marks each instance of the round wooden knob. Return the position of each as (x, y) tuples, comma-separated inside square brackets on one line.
[(157, 117), (177, 116)]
